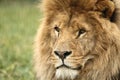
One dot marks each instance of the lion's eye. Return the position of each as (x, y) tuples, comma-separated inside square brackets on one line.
[(57, 30), (80, 32)]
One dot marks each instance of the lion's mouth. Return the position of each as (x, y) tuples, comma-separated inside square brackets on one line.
[(65, 66)]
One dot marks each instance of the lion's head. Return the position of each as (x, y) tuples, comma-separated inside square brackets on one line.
[(77, 42)]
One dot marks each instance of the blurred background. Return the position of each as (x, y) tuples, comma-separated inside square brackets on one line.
[(19, 21)]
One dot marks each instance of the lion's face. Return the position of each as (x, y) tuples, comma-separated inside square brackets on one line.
[(74, 41)]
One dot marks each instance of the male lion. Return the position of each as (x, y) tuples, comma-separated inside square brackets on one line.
[(78, 41)]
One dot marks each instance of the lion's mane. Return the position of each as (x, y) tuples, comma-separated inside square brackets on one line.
[(107, 67)]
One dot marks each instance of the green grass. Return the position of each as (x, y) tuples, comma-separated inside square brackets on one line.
[(18, 25)]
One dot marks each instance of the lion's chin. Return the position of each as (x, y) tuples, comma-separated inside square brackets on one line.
[(66, 73)]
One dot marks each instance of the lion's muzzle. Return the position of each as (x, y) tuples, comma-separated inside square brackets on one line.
[(62, 56)]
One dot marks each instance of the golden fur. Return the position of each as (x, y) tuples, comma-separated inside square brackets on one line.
[(82, 27)]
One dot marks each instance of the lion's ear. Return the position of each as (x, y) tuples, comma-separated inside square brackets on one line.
[(106, 7)]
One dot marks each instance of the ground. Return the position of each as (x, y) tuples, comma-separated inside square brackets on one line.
[(18, 25)]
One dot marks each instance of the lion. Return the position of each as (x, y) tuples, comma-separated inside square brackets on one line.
[(78, 40)]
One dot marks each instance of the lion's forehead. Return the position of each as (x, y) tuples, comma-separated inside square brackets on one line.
[(72, 23)]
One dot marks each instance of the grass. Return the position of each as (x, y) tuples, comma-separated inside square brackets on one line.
[(18, 25)]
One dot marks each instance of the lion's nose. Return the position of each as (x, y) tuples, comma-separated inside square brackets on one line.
[(62, 54)]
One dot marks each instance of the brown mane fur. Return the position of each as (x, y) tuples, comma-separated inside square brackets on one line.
[(107, 36)]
